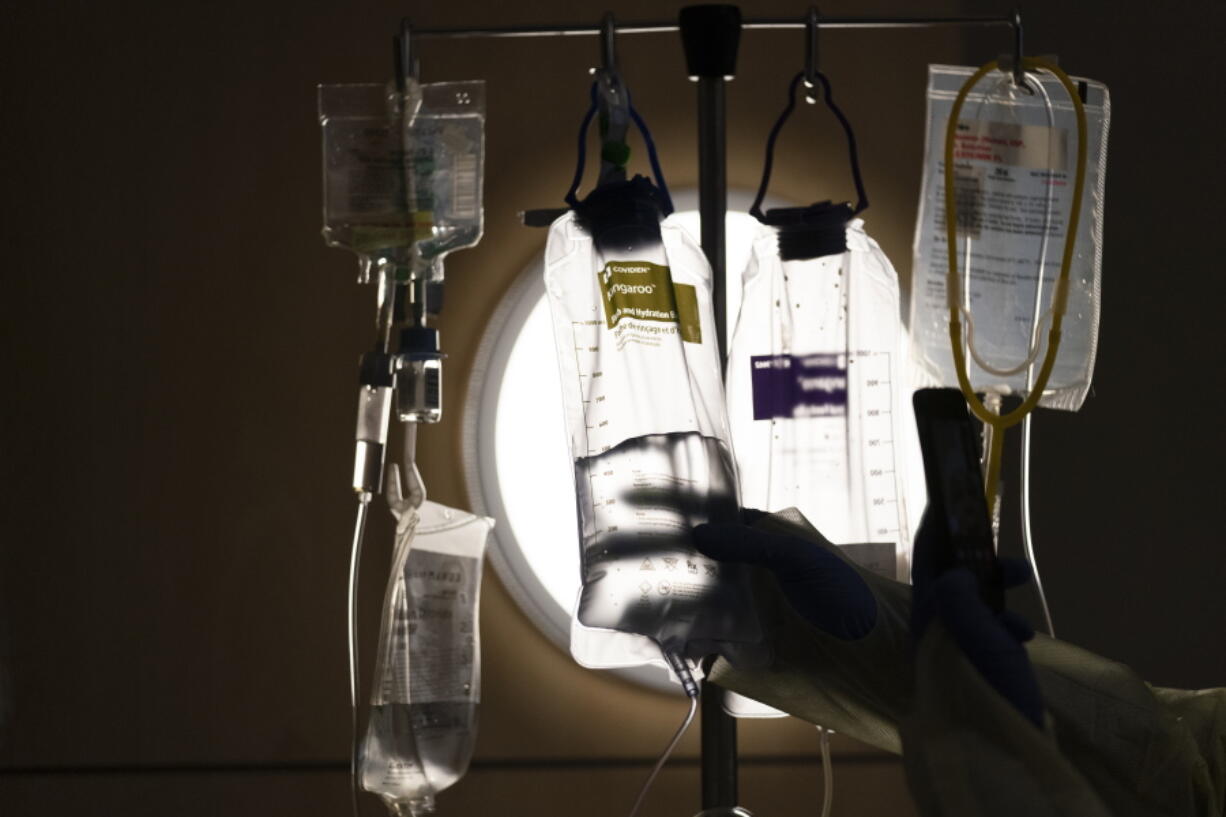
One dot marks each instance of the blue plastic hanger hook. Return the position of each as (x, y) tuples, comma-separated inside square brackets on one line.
[(611, 100)]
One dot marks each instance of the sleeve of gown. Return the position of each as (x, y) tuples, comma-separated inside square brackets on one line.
[(968, 752)]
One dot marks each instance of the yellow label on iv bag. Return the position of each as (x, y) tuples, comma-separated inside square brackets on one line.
[(370, 237), (641, 290)]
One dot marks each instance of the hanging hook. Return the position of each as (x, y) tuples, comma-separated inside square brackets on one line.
[(1019, 75), (820, 81), (608, 42), (407, 66), (613, 105), (811, 63)]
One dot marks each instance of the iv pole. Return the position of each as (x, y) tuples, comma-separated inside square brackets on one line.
[(710, 35)]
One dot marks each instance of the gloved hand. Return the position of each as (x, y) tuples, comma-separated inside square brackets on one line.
[(991, 642), (823, 589)]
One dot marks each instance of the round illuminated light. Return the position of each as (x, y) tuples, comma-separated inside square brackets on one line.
[(516, 464)]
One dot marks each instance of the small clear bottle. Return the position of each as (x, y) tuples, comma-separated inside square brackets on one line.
[(419, 376)]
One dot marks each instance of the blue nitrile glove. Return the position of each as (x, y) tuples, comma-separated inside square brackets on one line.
[(824, 590), (991, 642)]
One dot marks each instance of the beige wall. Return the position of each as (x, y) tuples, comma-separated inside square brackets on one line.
[(181, 351)]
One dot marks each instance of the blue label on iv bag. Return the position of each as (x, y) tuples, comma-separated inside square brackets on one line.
[(792, 386)]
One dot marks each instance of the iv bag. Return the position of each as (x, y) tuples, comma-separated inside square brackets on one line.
[(819, 398), (819, 385), (1015, 162), (403, 172), (427, 683), (648, 435)]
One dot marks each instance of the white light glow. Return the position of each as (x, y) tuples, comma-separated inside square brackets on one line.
[(534, 472)]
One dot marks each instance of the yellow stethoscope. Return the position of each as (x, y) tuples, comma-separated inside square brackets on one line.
[(1000, 422)]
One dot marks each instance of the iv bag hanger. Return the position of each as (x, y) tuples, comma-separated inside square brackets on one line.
[(612, 102), (811, 25), (819, 229), (407, 65), (1019, 74), (610, 99), (613, 107), (571, 197), (1012, 61)]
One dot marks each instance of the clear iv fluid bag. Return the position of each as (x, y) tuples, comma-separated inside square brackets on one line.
[(427, 685), (414, 751), (402, 173), (819, 385), (643, 399), (1014, 172)]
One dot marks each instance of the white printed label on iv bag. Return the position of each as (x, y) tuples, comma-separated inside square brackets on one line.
[(1014, 173), (1009, 144), (818, 394), (426, 694), (439, 624), (643, 399), (1011, 180), (423, 713)]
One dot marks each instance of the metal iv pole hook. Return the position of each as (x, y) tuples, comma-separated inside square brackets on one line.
[(613, 104), (811, 62)]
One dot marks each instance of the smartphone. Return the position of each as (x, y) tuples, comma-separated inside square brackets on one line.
[(956, 492)]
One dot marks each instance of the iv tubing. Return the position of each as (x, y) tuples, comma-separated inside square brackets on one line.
[(1027, 533), (990, 435), (355, 559), (668, 750), (1059, 300), (827, 773), (1027, 536)]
